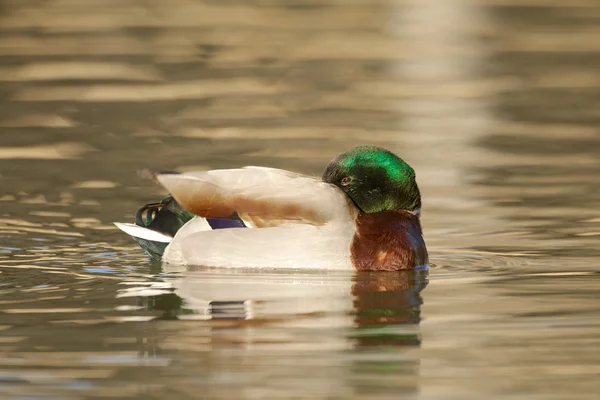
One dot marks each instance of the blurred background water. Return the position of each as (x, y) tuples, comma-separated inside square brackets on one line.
[(495, 103)]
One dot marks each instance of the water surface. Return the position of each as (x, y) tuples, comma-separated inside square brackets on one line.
[(494, 103)]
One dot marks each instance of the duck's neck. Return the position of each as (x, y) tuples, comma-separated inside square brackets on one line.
[(388, 241)]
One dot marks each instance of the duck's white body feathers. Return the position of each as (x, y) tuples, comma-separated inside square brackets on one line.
[(299, 222), (287, 246)]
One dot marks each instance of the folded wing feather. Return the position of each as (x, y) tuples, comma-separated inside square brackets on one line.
[(263, 197)]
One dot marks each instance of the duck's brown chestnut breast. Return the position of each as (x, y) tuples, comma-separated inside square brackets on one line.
[(388, 241)]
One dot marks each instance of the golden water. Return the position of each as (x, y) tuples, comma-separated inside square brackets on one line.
[(495, 103)]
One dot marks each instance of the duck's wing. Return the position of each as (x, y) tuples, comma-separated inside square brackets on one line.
[(263, 197)]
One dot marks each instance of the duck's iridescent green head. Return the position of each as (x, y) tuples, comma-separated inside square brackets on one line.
[(375, 179)]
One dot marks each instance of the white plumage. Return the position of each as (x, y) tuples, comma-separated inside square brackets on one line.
[(297, 221)]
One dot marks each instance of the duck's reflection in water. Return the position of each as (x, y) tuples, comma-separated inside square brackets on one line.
[(307, 334), (383, 300)]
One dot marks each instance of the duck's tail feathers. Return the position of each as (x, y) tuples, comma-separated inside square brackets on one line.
[(140, 232), (152, 242), (156, 224)]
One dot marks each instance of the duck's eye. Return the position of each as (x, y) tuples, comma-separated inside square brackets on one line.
[(346, 180)]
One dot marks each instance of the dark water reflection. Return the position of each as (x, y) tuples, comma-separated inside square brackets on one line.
[(494, 102)]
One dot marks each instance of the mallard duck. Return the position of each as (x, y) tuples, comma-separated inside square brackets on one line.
[(362, 215)]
